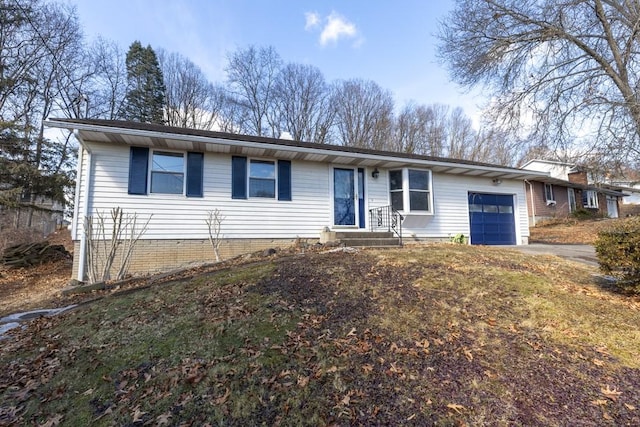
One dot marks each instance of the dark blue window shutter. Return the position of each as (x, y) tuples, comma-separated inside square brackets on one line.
[(138, 167), (284, 180), (195, 167), (238, 177)]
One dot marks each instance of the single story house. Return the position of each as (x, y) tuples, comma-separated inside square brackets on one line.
[(272, 191), (566, 190)]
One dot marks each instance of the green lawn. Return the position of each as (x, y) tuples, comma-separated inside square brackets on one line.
[(441, 334)]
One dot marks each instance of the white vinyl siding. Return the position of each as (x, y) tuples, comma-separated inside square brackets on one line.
[(451, 208), (180, 217)]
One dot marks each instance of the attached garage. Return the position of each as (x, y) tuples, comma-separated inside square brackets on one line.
[(491, 219)]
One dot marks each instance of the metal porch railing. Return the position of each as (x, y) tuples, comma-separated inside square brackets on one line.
[(386, 218)]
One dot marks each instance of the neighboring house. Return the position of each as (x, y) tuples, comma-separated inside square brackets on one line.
[(273, 191), (631, 203), (566, 190)]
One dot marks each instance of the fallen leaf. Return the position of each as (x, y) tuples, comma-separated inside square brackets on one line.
[(303, 381), (611, 393), (222, 399), (352, 332), (163, 420), (630, 407), (138, 414), (53, 421), (600, 402), (367, 368), (468, 354), (423, 344), (456, 407), (345, 400), (598, 362)]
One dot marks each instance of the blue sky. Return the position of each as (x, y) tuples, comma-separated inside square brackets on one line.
[(392, 43)]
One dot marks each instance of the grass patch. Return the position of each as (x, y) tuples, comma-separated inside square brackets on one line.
[(437, 335)]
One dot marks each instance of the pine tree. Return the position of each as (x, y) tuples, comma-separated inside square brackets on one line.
[(144, 101)]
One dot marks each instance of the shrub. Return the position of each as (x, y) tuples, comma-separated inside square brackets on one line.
[(458, 238), (618, 250), (582, 214)]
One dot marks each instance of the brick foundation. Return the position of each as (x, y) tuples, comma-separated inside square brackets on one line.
[(162, 255)]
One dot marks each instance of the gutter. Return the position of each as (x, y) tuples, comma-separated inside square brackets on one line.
[(533, 205), (85, 210)]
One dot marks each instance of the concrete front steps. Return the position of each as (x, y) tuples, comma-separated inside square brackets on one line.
[(369, 239)]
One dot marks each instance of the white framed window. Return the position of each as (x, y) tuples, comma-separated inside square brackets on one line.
[(590, 199), (571, 194), (167, 172), (548, 193), (410, 190), (262, 178), (396, 193)]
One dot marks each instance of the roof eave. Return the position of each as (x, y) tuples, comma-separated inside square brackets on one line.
[(369, 159)]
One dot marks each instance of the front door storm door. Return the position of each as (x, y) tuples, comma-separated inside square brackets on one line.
[(344, 203), (361, 215)]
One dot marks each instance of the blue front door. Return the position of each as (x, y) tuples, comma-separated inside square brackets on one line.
[(344, 206), (492, 219)]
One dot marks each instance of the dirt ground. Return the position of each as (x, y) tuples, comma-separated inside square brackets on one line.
[(35, 287), (568, 231)]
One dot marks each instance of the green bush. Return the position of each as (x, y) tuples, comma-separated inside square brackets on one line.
[(618, 250), (458, 238)]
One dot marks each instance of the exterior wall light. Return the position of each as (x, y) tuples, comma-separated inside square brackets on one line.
[(375, 174)]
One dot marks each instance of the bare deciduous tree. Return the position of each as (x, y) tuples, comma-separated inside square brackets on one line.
[(301, 102), (190, 99), (563, 70), (251, 75), (107, 90), (364, 114), (41, 57)]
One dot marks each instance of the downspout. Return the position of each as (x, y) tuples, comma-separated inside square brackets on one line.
[(533, 205), (85, 212)]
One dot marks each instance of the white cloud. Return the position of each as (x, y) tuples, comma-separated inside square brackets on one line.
[(335, 27), (312, 21)]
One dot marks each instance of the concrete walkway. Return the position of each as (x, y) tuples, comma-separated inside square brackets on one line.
[(585, 254)]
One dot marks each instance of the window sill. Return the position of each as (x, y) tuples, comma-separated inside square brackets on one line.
[(416, 213)]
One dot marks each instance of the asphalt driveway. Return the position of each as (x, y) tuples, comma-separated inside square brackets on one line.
[(585, 254)]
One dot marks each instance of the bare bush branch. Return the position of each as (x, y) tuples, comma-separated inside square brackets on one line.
[(101, 251), (214, 225)]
